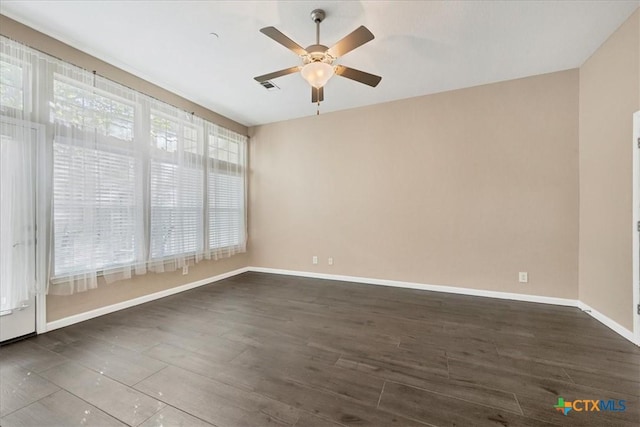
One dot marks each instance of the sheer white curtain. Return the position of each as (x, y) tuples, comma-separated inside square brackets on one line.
[(17, 221), (176, 188), (129, 183), (97, 201), (22, 269)]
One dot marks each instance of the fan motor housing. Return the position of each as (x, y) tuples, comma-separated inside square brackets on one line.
[(318, 53), (317, 49)]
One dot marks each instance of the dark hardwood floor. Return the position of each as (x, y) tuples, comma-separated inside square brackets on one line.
[(260, 349)]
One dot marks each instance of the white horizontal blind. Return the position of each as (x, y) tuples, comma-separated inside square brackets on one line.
[(93, 222), (226, 191), (94, 180), (176, 188)]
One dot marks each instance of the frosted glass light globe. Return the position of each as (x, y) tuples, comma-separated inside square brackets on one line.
[(317, 73)]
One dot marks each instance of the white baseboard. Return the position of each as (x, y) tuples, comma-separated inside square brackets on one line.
[(67, 321), (608, 322), (613, 325), (424, 287), (616, 327)]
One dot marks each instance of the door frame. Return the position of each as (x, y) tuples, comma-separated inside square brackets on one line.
[(42, 218), (636, 225)]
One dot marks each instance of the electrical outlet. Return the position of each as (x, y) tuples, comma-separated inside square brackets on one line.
[(523, 277), (330, 261), (185, 270), (314, 260)]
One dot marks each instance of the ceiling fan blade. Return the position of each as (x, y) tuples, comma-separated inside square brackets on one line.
[(357, 38), (285, 41), (317, 95), (357, 75), (276, 74)]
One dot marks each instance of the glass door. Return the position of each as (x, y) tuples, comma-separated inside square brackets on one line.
[(18, 144)]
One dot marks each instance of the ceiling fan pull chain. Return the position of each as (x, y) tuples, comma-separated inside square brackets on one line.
[(318, 110)]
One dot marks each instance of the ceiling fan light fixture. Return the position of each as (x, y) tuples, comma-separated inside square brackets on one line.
[(317, 73)]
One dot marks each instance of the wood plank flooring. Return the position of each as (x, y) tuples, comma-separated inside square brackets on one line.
[(260, 349)]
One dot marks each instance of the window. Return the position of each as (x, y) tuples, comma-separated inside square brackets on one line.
[(88, 108), (177, 188), (225, 190), (94, 181), (135, 184), (13, 90)]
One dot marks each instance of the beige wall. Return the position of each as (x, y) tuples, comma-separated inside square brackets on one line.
[(62, 306), (609, 95), (463, 188)]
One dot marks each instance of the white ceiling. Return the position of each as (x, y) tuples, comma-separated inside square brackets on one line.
[(420, 47)]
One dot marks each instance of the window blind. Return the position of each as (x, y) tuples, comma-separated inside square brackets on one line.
[(94, 222), (176, 210)]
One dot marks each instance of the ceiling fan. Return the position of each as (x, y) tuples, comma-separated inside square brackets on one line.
[(317, 60)]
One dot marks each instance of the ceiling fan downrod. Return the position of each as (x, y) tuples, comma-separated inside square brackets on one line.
[(318, 16)]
